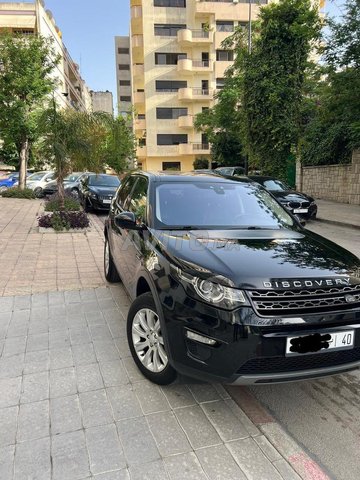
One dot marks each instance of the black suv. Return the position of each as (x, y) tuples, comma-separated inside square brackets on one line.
[(227, 285)]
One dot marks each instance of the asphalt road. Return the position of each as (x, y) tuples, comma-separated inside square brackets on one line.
[(323, 415)]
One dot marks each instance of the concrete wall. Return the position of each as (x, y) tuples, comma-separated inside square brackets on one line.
[(340, 183)]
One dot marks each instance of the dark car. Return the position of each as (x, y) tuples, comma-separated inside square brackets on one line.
[(297, 203), (226, 285), (97, 191), (71, 184), (230, 171)]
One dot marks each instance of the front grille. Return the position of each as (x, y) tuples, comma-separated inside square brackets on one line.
[(105, 197), (299, 204), (264, 365), (293, 302)]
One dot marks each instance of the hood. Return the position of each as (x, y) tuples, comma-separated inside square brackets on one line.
[(292, 196), (258, 259), (103, 190)]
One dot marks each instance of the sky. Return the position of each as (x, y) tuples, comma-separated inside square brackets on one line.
[(89, 28)]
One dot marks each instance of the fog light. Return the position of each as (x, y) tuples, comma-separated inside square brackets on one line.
[(200, 338)]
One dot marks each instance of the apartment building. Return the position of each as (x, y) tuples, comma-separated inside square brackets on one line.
[(102, 102), (123, 74), (33, 18), (177, 64)]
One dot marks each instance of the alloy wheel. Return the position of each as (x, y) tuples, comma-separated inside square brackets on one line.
[(148, 341)]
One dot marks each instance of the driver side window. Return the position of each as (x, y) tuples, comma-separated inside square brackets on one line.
[(138, 200), (122, 198)]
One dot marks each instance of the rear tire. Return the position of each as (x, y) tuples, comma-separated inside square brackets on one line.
[(111, 274), (38, 192), (146, 341)]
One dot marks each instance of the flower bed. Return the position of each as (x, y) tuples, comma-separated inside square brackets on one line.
[(15, 192), (64, 221)]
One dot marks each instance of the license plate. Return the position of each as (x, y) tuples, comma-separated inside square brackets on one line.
[(106, 201), (301, 210), (320, 342)]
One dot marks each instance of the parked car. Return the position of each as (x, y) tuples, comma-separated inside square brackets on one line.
[(71, 184), (297, 203), (38, 181), (230, 171), (234, 290), (10, 181), (97, 191)]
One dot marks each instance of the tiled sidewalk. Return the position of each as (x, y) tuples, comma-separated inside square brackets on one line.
[(32, 262), (73, 406)]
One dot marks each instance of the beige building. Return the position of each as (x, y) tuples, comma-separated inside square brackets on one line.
[(102, 102), (177, 64), (123, 75), (30, 18)]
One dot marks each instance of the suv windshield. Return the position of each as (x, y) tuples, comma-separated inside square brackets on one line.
[(72, 177), (217, 206), (104, 181), (275, 186)]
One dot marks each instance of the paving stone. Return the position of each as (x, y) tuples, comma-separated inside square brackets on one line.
[(124, 351), (117, 327), (39, 300), (103, 293), (149, 471), (69, 455), (113, 373), (77, 320), (95, 408), (37, 342), (252, 461), (184, 466), (90, 307), (270, 451), (219, 464), (139, 445), (118, 475), (87, 295), (79, 335), (104, 448), (6, 304), (7, 462), (100, 333), (61, 358), (243, 418), (89, 377), (34, 421), (285, 470), (18, 327), (178, 395), (56, 298), (197, 427), (106, 304), (32, 460), (57, 311), (151, 397), (204, 392), (35, 387), (95, 318), (11, 366), (10, 389), (36, 362), (106, 351), (224, 420), (14, 346), (124, 402), (62, 382), (22, 303), (57, 325), (65, 414), (8, 426), (72, 297), (83, 354), (169, 437)]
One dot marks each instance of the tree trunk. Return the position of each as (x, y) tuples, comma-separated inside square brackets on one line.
[(24, 154), (61, 190)]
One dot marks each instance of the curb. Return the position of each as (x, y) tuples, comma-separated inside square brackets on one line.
[(336, 222), (290, 450)]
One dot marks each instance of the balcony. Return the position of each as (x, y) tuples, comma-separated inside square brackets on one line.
[(140, 124), (226, 9), (136, 20), (188, 66), (201, 148), (189, 94), (185, 149), (138, 71), (186, 121), (141, 151), (139, 98), (187, 37), (137, 44)]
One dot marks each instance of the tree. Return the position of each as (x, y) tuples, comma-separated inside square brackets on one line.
[(201, 163), (26, 64), (120, 143)]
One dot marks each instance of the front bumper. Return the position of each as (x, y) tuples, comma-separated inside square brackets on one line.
[(98, 204), (246, 353)]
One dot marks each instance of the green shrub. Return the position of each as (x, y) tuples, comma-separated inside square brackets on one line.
[(17, 193), (64, 220), (71, 204)]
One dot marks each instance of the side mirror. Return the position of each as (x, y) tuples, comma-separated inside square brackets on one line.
[(127, 220)]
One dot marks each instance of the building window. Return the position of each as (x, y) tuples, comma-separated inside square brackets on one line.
[(141, 116), (170, 3), (170, 113), (124, 66), (220, 83), (168, 58), (125, 83), (170, 85), (167, 30), (171, 166), (224, 26), (24, 32), (224, 55), (171, 138), (125, 98), (123, 51)]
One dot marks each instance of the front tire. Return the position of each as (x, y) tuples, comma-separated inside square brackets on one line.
[(146, 341), (111, 274)]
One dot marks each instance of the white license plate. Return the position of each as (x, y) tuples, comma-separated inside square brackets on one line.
[(301, 210), (322, 342), (106, 201)]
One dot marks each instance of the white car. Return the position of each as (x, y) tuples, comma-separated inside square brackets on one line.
[(38, 180)]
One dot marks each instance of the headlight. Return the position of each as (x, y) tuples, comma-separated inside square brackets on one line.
[(92, 195), (212, 292)]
